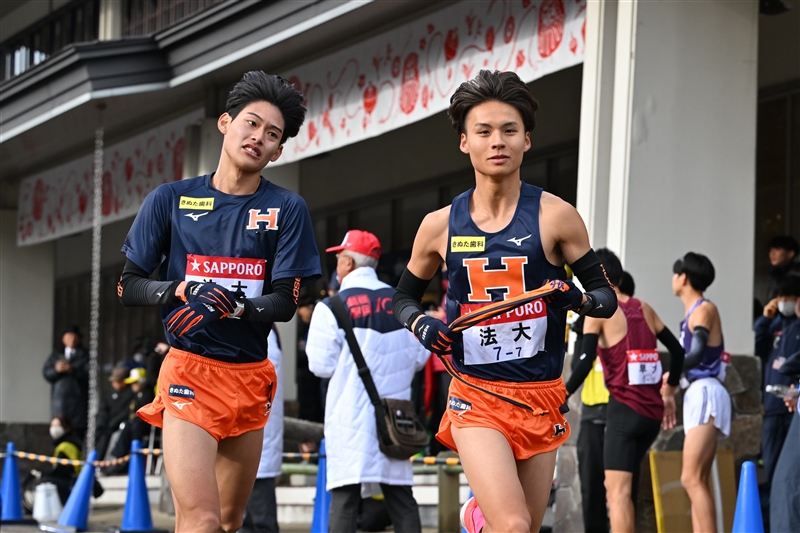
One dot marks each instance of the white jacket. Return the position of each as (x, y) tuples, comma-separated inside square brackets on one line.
[(272, 448), (392, 354)]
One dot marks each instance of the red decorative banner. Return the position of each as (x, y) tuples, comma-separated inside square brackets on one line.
[(409, 73), (58, 202)]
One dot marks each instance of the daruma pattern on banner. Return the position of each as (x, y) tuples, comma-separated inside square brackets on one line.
[(58, 202), (409, 73)]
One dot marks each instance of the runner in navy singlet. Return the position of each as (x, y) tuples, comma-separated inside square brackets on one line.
[(500, 239), (638, 407), (706, 404), (232, 251)]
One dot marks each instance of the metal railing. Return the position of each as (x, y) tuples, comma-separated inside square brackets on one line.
[(76, 22)]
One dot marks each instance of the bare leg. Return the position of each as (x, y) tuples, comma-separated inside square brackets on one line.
[(620, 504), (189, 457), (492, 473), (536, 475), (699, 449), (236, 469)]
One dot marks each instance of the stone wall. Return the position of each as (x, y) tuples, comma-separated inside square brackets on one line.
[(743, 382), (32, 438)]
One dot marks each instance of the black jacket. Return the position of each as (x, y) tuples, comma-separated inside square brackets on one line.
[(70, 392), (114, 410)]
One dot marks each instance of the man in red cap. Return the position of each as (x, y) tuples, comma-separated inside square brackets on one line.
[(356, 466)]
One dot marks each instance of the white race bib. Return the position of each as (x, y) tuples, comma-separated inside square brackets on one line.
[(233, 273), (725, 360), (644, 367), (516, 334)]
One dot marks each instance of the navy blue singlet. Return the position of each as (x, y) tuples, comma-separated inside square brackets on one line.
[(526, 344), (191, 231)]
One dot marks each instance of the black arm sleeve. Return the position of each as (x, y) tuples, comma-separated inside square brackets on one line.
[(676, 355), (279, 306), (135, 289), (406, 302), (601, 299), (699, 342), (585, 363)]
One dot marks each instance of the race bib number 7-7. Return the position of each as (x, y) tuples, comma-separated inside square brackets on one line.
[(644, 367), (233, 273), (516, 334)]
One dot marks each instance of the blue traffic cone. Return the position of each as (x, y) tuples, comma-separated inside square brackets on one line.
[(10, 491), (136, 516), (747, 518), (76, 511), (322, 500)]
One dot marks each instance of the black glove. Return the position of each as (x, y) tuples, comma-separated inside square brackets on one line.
[(191, 317), (570, 299), (210, 293), (434, 335)]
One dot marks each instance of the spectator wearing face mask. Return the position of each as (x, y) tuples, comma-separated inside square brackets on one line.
[(67, 446), (769, 328), (784, 260)]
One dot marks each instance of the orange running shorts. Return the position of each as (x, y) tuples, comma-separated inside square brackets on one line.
[(225, 399), (528, 433)]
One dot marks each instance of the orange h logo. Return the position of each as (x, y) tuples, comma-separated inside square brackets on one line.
[(270, 219), (511, 278)]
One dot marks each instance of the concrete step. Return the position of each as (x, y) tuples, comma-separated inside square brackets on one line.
[(296, 501), (116, 489)]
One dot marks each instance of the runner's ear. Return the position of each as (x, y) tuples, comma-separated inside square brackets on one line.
[(277, 154), (223, 122)]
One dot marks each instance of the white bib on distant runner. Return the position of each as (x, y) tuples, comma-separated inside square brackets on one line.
[(644, 367)]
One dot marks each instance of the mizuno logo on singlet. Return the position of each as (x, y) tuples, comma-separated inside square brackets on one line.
[(518, 242), (195, 217)]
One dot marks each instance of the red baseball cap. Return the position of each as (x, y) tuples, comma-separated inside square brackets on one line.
[(362, 242)]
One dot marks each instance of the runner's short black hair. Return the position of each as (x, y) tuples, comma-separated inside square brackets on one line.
[(698, 269), (626, 284), (611, 264), (789, 286), (257, 86), (488, 86), (786, 242)]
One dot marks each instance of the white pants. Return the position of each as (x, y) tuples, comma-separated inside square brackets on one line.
[(705, 398)]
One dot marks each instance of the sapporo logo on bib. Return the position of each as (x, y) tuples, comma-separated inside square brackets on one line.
[(644, 367), (233, 273)]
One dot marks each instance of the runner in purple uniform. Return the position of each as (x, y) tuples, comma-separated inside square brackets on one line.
[(706, 404)]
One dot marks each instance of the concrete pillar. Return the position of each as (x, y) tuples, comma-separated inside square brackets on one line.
[(288, 177), (26, 324), (682, 165), (110, 20), (203, 146), (597, 93)]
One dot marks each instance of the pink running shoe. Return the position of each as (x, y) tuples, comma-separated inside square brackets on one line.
[(471, 516)]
